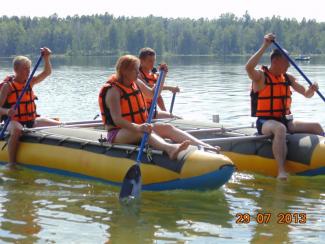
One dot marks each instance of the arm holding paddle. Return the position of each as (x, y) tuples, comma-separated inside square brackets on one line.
[(299, 70), (173, 89), (253, 74), (22, 70), (150, 91), (308, 93), (46, 53)]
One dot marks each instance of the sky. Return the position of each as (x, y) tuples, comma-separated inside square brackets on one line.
[(311, 9)]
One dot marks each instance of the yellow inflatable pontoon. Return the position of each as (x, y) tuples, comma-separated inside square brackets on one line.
[(81, 152), (253, 153)]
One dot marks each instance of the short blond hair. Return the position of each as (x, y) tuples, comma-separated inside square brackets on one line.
[(126, 62), (19, 60)]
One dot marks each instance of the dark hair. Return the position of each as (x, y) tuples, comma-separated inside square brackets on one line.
[(277, 53), (145, 52)]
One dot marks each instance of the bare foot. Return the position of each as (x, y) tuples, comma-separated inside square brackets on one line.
[(178, 147), (11, 166), (282, 176)]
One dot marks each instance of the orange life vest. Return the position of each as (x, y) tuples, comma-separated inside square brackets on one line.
[(274, 100), (150, 80), (26, 110), (133, 106)]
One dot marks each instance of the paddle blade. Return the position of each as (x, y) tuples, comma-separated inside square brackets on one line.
[(131, 186)]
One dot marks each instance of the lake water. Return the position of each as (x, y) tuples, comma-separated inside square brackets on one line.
[(43, 208)]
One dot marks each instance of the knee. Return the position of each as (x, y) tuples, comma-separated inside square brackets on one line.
[(15, 131), (167, 127), (315, 128), (168, 131), (161, 127), (319, 129), (280, 131)]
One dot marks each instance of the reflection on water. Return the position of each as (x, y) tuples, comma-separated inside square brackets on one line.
[(38, 207), (42, 207)]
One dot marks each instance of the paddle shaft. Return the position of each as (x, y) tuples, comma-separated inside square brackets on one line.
[(150, 116), (172, 103), (21, 95), (297, 68)]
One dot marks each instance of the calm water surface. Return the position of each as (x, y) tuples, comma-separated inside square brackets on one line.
[(42, 208)]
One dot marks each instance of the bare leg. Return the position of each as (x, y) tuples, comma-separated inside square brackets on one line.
[(279, 146), (305, 127), (40, 122), (15, 129), (177, 135), (126, 136)]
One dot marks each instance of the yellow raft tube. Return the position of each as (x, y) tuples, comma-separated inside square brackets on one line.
[(81, 152), (253, 153)]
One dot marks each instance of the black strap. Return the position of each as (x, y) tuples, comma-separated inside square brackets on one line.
[(30, 101), (106, 112), (275, 110), (131, 108), (17, 95), (287, 83), (30, 97), (141, 109), (270, 83), (125, 96)]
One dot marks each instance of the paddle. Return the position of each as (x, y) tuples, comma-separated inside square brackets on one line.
[(172, 103), (21, 95), (297, 68), (131, 186)]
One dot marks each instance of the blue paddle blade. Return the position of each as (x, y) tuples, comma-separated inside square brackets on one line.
[(131, 186)]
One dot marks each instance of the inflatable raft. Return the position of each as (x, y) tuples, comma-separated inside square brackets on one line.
[(83, 152), (253, 153)]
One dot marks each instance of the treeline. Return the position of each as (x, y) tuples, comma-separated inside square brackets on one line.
[(109, 35)]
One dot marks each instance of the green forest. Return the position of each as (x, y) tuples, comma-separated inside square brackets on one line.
[(109, 35)]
